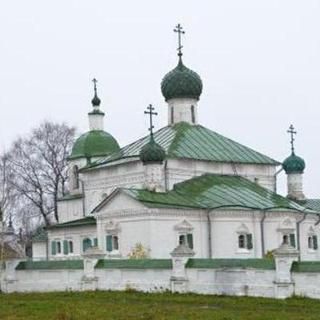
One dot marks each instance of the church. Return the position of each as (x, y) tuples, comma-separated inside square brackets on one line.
[(182, 184)]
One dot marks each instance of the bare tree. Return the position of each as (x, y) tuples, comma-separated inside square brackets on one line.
[(38, 163)]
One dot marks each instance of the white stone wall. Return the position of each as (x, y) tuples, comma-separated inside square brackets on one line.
[(39, 250), (70, 210), (226, 281), (180, 109)]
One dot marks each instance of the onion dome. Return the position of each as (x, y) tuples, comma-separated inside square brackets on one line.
[(181, 82), (152, 152), (96, 101), (293, 164), (95, 143)]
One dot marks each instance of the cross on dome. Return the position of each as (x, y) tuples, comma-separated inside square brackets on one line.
[(151, 113), (292, 133), (180, 31), (95, 101)]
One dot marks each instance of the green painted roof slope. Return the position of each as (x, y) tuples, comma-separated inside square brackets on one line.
[(95, 143), (40, 235), (306, 266), (186, 141), (312, 204), (266, 264), (75, 223), (135, 264), (50, 265), (211, 191)]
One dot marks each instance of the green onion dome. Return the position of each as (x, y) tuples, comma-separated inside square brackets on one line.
[(293, 164), (152, 152), (96, 101), (95, 143), (181, 82)]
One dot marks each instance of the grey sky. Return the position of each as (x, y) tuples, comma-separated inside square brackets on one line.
[(259, 61)]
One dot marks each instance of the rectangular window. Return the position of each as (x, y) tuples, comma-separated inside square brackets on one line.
[(186, 239), (245, 241), (70, 247), (313, 242)]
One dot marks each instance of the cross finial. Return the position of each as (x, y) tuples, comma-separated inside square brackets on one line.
[(180, 31), (94, 80), (151, 113), (292, 133)]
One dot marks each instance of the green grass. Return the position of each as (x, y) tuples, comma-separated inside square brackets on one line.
[(134, 305)]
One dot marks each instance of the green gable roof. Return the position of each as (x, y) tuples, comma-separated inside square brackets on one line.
[(266, 264), (75, 223), (211, 191), (186, 141)]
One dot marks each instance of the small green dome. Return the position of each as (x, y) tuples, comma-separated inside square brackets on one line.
[(181, 82), (293, 164), (95, 143), (152, 152)]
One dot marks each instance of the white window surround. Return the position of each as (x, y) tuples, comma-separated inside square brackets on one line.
[(243, 240)]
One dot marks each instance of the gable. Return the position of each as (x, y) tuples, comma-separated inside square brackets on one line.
[(118, 200)]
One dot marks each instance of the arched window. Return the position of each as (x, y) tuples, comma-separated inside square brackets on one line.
[(70, 247), (172, 114), (242, 241), (75, 176), (193, 116)]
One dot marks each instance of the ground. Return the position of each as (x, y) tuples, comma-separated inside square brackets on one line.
[(134, 305)]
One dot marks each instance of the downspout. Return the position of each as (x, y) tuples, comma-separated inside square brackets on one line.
[(262, 233), (298, 233), (83, 198), (209, 235), (165, 175), (318, 220)]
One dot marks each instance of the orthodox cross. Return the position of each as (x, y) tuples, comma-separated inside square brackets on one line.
[(292, 133), (180, 31), (94, 80), (151, 113)]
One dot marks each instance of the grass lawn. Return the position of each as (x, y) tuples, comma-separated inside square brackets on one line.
[(134, 305)]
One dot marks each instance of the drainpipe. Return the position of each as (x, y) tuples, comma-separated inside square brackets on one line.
[(275, 179), (165, 175), (209, 235), (298, 233), (83, 198), (318, 220), (262, 233)]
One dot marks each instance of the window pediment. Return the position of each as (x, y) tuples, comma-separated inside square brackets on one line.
[(183, 226)]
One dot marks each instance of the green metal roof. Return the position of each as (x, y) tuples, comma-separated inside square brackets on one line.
[(306, 266), (135, 264), (211, 191), (186, 141), (95, 143), (312, 204), (71, 197), (40, 235), (266, 264), (75, 223), (50, 265)]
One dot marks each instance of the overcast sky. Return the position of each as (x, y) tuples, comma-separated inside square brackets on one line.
[(259, 61)]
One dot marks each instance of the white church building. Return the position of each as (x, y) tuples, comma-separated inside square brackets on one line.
[(182, 187)]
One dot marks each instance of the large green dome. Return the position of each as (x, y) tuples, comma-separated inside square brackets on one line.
[(95, 143), (293, 164), (152, 152), (181, 82)]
